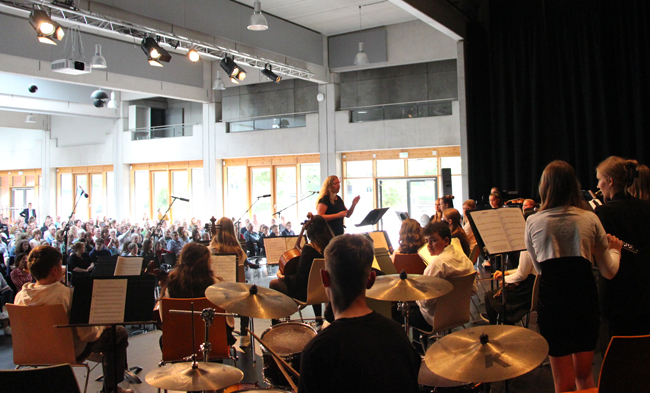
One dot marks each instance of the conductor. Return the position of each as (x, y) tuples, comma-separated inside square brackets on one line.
[(331, 207)]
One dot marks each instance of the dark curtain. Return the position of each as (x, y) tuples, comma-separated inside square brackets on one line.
[(556, 79)]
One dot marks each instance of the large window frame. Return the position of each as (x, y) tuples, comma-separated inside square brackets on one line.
[(64, 209), (19, 179)]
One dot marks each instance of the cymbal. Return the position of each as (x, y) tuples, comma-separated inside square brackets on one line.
[(486, 353), (394, 288), (250, 300), (181, 376)]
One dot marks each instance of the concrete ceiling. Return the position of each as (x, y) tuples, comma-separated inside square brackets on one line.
[(332, 17)]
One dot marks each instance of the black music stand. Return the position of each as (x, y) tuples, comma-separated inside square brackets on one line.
[(373, 217), (137, 311), (104, 267)]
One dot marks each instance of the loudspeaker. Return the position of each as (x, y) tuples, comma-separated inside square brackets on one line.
[(446, 181)]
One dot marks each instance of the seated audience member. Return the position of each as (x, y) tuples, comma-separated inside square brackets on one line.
[(23, 247), (519, 292), (468, 206), (147, 253), (6, 296), (132, 250), (175, 245), (20, 276), (36, 238), (358, 336), (191, 277), (287, 230), (50, 234), (495, 200), (410, 237), (448, 262), (79, 262), (264, 232), (252, 238), (452, 218), (45, 264), (99, 250), (275, 231)]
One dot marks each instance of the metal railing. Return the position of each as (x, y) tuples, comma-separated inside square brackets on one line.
[(166, 131), (268, 123), (406, 110)]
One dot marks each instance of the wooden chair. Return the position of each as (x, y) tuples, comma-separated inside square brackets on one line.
[(473, 255), (533, 302), (60, 379), (178, 329), (36, 342), (410, 263), (452, 309), (315, 288), (625, 366)]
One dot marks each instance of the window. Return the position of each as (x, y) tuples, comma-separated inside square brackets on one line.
[(181, 189), (261, 185), (141, 205), (364, 188), (285, 193), (268, 123), (401, 111), (423, 166), (81, 213), (67, 201), (388, 168), (198, 195), (236, 191), (97, 196), (309, 181), (160, 191), (358, 168), (110, 192)]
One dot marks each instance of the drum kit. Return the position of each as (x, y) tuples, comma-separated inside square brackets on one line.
[(481, 354)]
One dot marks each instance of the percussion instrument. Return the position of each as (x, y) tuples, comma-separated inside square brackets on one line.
[(406, 288), (250, 300), (258, 390), (192, 376), (287, 340), (486, 353)]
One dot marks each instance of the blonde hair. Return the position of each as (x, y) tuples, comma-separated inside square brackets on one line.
[(641, 186), (622, 172), (454, 216), (326, 190), (472, 206)]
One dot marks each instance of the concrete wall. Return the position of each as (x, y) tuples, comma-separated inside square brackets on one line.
[(268, 99), (186, 148), (391, 85), (20, 148), (81, 141)]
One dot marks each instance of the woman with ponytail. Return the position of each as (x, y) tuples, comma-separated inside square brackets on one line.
[(624, 299)]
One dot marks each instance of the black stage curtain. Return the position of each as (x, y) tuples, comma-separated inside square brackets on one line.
[(556, 79)]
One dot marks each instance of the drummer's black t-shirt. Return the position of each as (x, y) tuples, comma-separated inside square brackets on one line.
[(365, 354), (337, 224)]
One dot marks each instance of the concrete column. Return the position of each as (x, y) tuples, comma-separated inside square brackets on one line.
[(48, 181), (212, 168), (330, 159), (462, 104), (121, 170)]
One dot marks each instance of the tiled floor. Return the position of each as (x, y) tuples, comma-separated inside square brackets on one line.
[(144, 351)]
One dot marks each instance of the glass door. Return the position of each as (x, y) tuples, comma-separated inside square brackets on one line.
[(21, 197)]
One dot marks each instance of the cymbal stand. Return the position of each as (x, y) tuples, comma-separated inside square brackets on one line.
[(405, 309)]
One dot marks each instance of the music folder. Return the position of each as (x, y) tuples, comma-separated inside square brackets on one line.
[(498, 231), (135, 293), (373, 217)]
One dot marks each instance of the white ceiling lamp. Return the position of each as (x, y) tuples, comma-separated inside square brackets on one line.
[(361, 58), (98, 61), (218, 83), (258, 21), (112, 103), (30, 118)]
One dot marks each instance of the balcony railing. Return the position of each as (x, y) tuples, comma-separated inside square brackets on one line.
[(407, 110), (167, 131), (268, 123)]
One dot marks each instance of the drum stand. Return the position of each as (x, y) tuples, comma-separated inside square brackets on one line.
[(405, 309)]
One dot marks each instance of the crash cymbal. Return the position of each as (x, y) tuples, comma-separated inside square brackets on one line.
[(181, 376), (486, 353), (250, 300), (408, 287)]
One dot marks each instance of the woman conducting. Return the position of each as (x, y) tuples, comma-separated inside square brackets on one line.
[(561, 239), (624, 298), (331, 207)]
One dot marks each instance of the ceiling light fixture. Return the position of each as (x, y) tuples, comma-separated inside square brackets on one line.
[(100, 98), (98, 61), (235, 72), (154, 51), (361, 58), (268, 72), (30, 118), (218, 83), (193, 55), (258, 21), (112, 104), (45, 27)]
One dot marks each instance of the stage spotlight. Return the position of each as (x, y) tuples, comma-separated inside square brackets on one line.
[(154, 62), (268, 72), (45, 27), (228, 64), (154, 51), (193, 55)]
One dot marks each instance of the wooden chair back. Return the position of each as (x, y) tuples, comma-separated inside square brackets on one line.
[(453, 309), (410, 263), (60, 379), (473, 255), (625, 365), (315, 289), (177, 330)]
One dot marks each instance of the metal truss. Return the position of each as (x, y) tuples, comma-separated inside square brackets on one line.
[(104, 25)]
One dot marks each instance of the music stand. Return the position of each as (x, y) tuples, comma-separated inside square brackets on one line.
[(104, 267), (383, 260), (373, 217), (402, 215)]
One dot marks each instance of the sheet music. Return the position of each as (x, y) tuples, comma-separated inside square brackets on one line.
[(379, 239), (502, 230), (108, 301), (514, 225), (224, 266), (425, 255), (131, 266), (275, 247)]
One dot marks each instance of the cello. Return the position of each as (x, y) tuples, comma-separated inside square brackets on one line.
[(289, 259)]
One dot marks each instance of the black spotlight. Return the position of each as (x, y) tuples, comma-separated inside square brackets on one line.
[(268, 72), (154, 51), (32, 88), (100, 98), (235, 72), (46, 28)]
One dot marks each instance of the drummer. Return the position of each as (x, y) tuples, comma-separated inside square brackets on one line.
[(353, 353), (447, 262)]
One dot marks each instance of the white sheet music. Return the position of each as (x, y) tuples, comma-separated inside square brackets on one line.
[(379, 239), (502, 230), (275, 247), (108, 301), (131, 266), (224, 266)]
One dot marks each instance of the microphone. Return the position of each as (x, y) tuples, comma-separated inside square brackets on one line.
[(264, 196), (84, 193), (182, 199)]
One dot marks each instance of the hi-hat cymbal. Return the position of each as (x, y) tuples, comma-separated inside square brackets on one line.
[(406, 288), (250, 300), (486, 353), (207, 376)]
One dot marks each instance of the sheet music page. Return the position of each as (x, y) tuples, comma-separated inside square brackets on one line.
[(514, 225), (275, 247), (379, 239), (291, 242), (489, 227), (131, 266), (224, 266), (425, 255), (108, 301)]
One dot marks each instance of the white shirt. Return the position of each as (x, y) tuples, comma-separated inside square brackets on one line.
[(524, 269)]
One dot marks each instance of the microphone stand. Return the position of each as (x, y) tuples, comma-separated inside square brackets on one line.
[(249, 209), (159, 225), (295, 203), (65, 236)]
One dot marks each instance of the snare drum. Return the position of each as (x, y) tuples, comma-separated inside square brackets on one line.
[(287, 340)]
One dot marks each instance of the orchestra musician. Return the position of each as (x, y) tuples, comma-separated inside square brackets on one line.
[(438, 216), (561, 239), (624, 299), (468, 206), (319, 235), (331, 207), (452, 218), (410, 238), (641, 186)]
